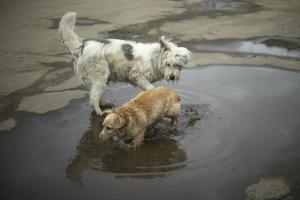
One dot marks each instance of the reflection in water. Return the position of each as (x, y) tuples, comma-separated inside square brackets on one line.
[(259, 48), (157, 157), (153, 159), (280, 47)]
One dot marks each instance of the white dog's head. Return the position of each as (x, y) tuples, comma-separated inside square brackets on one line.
[(174, 59)]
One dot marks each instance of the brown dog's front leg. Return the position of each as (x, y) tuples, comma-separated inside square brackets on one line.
[(138, 139)]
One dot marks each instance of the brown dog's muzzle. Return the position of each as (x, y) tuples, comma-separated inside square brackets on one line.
[(103, 135)]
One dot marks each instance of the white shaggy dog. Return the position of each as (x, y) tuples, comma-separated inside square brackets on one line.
[(98, 62)]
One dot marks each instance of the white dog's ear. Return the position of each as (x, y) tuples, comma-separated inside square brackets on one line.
[(184, 56), (189, 55), (164, 43)]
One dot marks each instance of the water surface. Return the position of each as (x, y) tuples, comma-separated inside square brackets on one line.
[(248, 129)]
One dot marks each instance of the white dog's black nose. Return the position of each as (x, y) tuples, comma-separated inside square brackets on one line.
[(172, 77)]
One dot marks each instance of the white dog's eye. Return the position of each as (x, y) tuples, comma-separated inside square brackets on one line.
[(178, 67), (168, 64)]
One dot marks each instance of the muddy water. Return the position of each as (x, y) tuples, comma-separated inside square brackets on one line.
[(238, 124)]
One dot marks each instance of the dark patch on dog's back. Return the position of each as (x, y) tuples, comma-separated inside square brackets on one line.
[(128, 50), (103, 41)]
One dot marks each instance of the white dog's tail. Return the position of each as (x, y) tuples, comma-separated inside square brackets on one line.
[(67, 35)]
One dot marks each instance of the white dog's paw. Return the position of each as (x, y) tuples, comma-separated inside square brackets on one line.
[(106, 103), (98, 111)]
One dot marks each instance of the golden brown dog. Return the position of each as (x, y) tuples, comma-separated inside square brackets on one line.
[(131, 120)]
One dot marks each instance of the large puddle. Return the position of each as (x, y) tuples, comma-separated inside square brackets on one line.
[(238, 124)]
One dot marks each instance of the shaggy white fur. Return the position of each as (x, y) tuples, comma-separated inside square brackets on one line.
[(97, 62)]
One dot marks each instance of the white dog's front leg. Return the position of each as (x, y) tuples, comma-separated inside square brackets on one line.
[(143, 83)]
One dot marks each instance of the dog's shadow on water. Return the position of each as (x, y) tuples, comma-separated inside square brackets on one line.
[(159, 156)]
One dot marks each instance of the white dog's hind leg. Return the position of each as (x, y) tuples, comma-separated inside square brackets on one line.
[(96, 91), (98, 73)]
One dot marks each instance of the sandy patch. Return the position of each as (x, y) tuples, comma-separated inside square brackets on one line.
[(73, 82), (268, 188), (7, 125), (46, 102)]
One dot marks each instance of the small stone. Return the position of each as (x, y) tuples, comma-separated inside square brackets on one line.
[(268, 188)]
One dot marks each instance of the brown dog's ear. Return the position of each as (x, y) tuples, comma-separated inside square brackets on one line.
[(106, 112), (119, 121)]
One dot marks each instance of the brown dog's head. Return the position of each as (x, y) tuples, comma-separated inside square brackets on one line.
[(112, 123)]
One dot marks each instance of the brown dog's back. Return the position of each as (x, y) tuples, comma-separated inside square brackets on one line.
[(155, 103)]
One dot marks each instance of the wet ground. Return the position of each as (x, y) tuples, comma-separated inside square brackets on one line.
[(238, 135)]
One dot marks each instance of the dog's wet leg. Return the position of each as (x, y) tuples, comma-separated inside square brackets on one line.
[(96, 91), (106, 103), (143, 83), (173, 113), (174, 123), (138, 139), (99, 73)]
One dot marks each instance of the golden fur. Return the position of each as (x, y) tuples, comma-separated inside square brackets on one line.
[(131, 120)]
